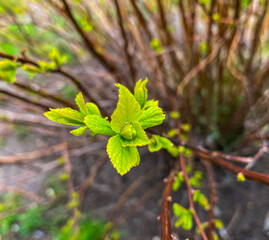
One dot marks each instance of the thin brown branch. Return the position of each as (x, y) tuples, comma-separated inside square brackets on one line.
[(26, 100), (166, 202), (41, 92), (195, 215), (124, 196), (90, 179), (212, 198)]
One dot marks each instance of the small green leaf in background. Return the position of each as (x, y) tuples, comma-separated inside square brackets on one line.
[(218, 223), (155, 145), (8, 70), (9, 48), (45, 66), (156, 45), (178, 181), (31, 70), (122, 158), (240, 177), (141, 92), (195, 180), (201, 199), (174, 115), (185, 216), (57, 58), (172, 132)]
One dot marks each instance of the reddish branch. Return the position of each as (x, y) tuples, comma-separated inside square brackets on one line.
[(212, 198), (197, 220), (166, 202)]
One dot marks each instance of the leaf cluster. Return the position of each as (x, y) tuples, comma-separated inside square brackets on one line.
[(134, 114)]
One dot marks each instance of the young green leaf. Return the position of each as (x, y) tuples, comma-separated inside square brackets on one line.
[(201, 199), (141, 92), (66, 116), (81, 104), (185, 216), (151, 117), (155, 145), (79, 131), (128, 109), (178, 181), (151, 103), (57, 58), (92, 109), (98, 125), (140, 138), (8, 70), (46, 67), (31, 69), (122, 158)]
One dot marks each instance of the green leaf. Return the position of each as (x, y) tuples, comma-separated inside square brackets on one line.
[(9, 48), (9, 77), (98, 125), (185, 216), (31, 69), (201, 199), (141, 92), (66, 116), (155, 145), (8, 65), (178, 181), (151, 117), (122, 158), (218, 223), (140, 139), (128, 109), (151, 103), (166, 143), (79, 131), (93, 109), (8, 70), (81, 104), (56, 57), (46, 67)]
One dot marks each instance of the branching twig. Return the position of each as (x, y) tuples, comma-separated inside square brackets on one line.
[(186, 178)]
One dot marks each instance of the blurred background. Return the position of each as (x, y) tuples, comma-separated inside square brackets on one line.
[(207, 62)]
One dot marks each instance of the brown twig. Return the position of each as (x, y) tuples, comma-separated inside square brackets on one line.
[(26, 100), (124, 196), (43, 93), (89, 180), (195, 215), (212, 198), (166, 202)]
